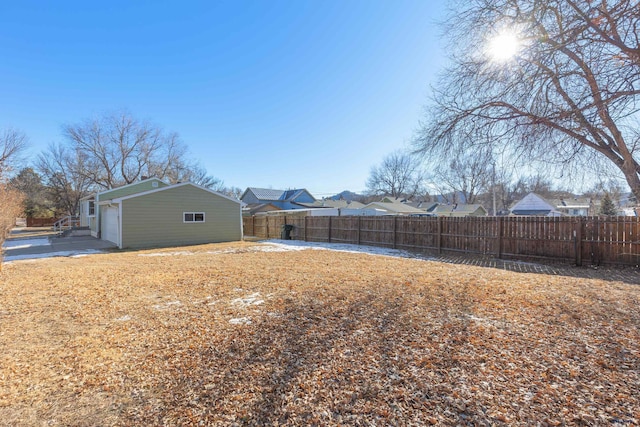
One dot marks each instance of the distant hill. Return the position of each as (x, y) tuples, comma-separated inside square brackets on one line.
[(347, 195)]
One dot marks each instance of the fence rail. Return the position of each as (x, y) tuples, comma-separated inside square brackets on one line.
[(576, 240)]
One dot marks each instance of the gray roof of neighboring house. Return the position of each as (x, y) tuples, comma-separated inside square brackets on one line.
[(425, 206), (395, 207), (533, 202), (458, 208), (266, 193), (269, 194), (329, 203)]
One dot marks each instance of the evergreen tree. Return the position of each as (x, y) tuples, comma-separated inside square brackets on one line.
[(608, 207)]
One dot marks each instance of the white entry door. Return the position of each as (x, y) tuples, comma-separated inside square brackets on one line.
[(110, 224)]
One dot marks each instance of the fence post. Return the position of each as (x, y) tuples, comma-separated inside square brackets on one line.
[(439, 239), (266, 218), (578, 243), (330, 229), (306, 222), (500, 233), (395, 231), (359, 227)]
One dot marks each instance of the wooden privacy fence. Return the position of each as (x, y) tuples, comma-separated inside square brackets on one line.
[(40, 222), (591, 240)]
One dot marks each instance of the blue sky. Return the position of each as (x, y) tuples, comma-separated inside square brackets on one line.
[(271, 93)]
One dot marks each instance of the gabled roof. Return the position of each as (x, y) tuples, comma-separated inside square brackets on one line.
[(264, 193), (101, 193), (171, 187), (394, 207), (330, 203), (459, 209), (268, 194), (534, 204), (425, 206)]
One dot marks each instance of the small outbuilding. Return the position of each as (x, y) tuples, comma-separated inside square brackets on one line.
[(152, 213)]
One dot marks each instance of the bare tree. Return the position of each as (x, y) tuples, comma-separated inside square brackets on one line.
[(63, 169), (570, 94), (398, 175), (233, 192), (12, 144), (119, 149), (467, 174)]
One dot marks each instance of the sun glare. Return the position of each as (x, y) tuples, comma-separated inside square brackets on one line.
[(503, 46)]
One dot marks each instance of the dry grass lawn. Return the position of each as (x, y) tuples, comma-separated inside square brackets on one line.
[(231, 335)]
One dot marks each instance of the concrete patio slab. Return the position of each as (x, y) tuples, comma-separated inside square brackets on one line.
[(24, 243)]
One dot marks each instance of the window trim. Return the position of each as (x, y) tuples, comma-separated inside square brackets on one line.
[(194, 221), (89, 214)]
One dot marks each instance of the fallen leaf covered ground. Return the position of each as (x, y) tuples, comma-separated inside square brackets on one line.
[(233, 335)]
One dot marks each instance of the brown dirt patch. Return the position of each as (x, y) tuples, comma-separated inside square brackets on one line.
[(228, 335)]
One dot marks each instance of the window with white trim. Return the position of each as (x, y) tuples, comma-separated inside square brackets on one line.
[(192, 216), (92, 208)]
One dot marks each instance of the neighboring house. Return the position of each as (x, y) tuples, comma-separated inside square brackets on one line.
[(330, 203), (534, 205), (628, 200), (394, 208), (628, 212), (576, 206), (459, 210), (282, 199), (152, 213), (257, 208), (425, 206)]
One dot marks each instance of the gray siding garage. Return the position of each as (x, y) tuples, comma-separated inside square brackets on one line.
[(180, 214)]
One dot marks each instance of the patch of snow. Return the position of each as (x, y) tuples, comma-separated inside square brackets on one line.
[(167, 253), (248, 300), (298, 245), (24, 243), (240, 321), (167, 305), (229, 251), (123, 318), (73, 254)]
